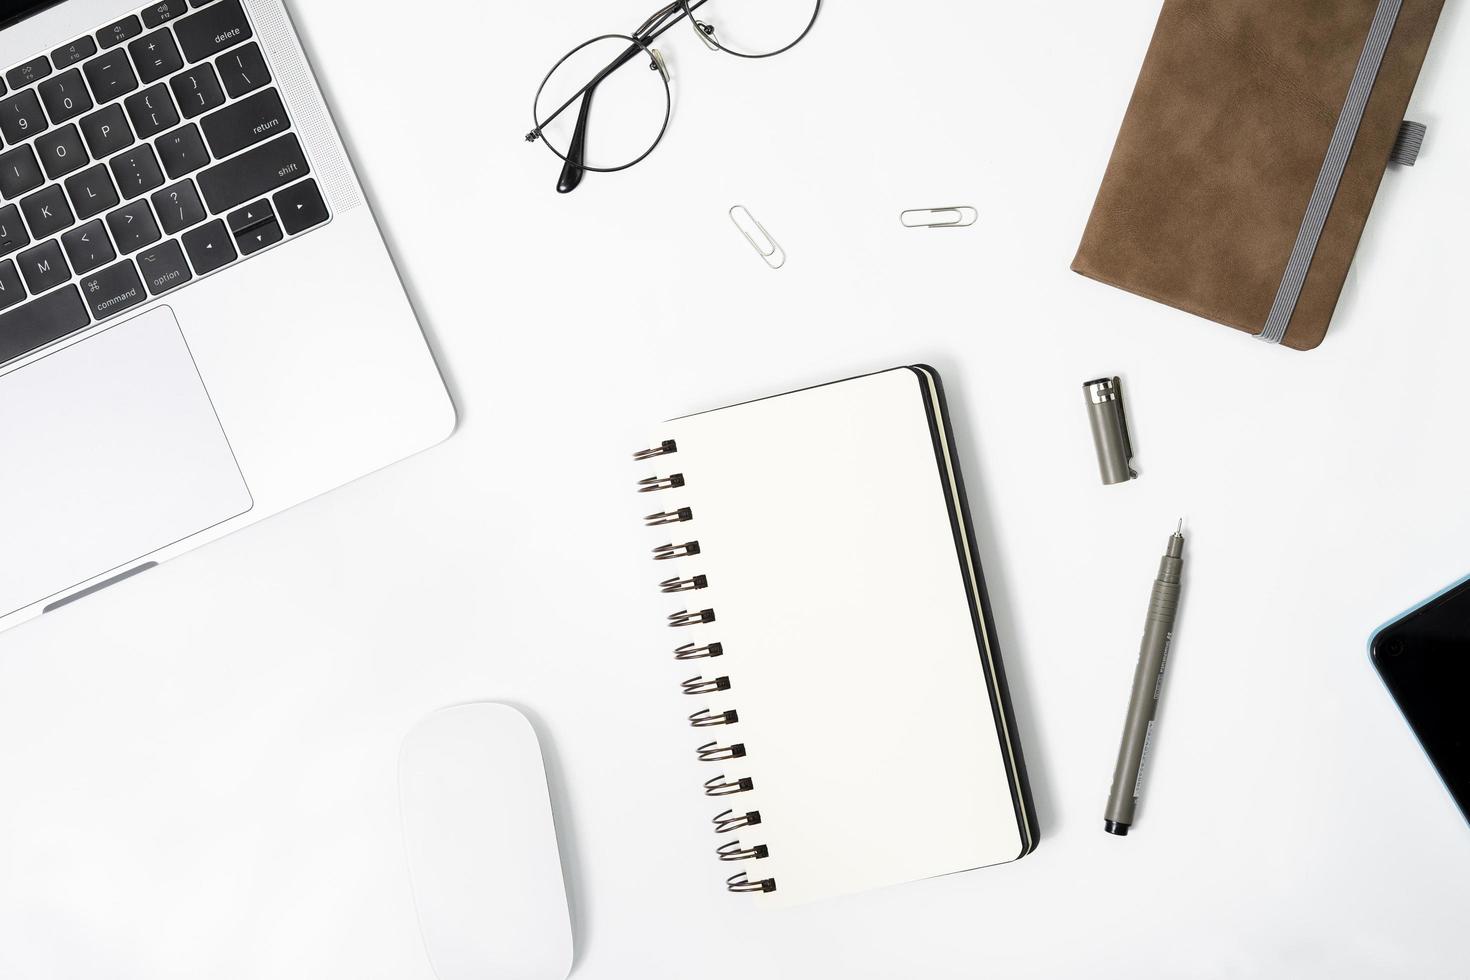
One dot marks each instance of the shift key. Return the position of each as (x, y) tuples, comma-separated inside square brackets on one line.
[(253, 173)]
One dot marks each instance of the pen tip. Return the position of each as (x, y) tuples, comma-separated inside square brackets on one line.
[(1180, 528)]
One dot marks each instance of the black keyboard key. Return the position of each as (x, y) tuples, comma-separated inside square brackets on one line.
[(133, 227), (178, 207), (301, 207), (163, 267), (254, 227), (61, 152), (244, 70), (136, 171), (197, 90), (152, 111), (91, 192), (88, 247), (11, 290), (253, 174), (114, 289), (20, 117), (249, 216), (115, 34), (44, 267), (182, 151), (32, 71), (106, 132), (156, 55), (213, 29), (259, 237), (209, 246), (79, 50), (41, 321), (111, 75), (65, 96), (12, 232), (162, 11), (47, 212), (19, 172), (245, 123)]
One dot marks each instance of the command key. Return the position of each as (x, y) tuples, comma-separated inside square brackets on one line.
[(113, 289)]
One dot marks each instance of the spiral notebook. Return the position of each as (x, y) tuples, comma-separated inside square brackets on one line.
[(849, 714)]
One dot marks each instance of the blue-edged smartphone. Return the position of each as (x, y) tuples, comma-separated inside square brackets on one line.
[(1424, 658)]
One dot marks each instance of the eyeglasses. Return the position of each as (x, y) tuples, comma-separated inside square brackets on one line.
[(631, 80)]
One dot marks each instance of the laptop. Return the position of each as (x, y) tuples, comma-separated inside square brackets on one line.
[(200, 324)]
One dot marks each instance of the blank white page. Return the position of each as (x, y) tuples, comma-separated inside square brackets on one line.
[(843, 610)]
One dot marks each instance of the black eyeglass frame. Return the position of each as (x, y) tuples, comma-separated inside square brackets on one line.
[(639, 42)]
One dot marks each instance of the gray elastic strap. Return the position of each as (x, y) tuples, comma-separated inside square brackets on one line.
[(1333, 166), (1411, 140)]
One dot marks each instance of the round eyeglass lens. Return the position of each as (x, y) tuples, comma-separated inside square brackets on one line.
[(753, 28), (607, 100)]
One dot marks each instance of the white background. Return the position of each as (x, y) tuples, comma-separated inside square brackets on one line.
[(197, 766)]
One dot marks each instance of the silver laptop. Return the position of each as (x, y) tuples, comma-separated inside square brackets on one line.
[(199, 322)]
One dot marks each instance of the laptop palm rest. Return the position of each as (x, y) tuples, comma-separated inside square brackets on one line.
[(109, 450)]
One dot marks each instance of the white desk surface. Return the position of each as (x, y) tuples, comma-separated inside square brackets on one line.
[(197, 766)]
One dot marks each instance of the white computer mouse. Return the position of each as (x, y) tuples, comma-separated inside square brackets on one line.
[(481, 842)]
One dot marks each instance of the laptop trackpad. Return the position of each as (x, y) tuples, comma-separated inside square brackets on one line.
[(109, 450)]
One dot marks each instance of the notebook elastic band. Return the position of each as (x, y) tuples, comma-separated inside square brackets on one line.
[(1333, 166)]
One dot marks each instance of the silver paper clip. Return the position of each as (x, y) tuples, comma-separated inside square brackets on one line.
[(772, 253), (956, 216)]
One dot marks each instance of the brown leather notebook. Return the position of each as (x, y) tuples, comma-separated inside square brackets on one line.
[(1251, 153)]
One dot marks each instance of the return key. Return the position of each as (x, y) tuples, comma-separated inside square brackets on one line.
[(245, 123)]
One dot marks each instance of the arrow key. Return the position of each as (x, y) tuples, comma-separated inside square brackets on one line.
[(257, 237), (243, 219), (301, 207), (209, 246)]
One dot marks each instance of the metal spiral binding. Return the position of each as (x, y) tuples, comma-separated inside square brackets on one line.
[(729, 820), (705, 718), (743, 883), (691, 617), (734, 852), (690, 584), (669, 517), (715, 752), (663, 449), (721, 785), (691, 651), (652, 483), (698, 685)]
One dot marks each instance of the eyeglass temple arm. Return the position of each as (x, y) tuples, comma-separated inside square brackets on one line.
[(571, 171)]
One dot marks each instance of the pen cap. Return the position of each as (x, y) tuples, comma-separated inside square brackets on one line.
[(1105, 414)]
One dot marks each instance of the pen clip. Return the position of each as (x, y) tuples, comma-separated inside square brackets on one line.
[(1122, 418)]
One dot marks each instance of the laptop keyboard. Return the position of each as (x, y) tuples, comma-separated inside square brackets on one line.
[(136, 159)]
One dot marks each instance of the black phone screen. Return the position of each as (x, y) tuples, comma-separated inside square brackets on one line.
[(1424, 658)]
